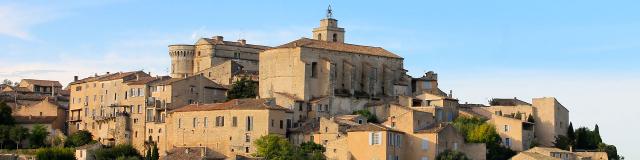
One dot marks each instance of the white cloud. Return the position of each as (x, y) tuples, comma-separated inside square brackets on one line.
[(18, 19)]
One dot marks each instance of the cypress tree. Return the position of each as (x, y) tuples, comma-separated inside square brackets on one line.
[(596, 135), (571, 134)]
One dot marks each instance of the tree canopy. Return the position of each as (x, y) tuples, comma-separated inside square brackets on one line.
[(366, 113), (451, 155), (17, 134), (38, 136), (118, 152), (79, 138), (476, 130), (584, 138), (278, 148), (55, 153), (243, 88), (5, 114)]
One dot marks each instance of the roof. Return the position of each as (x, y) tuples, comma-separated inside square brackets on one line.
[(236, 104), (507, 102), (290, 96), (143, 80), (42, 82), (536, 156), (166, 80), (16, 89), (182, 153), (338, 46), (34, 119), (111, 76), (216, 41), (371, 127), (434, 129)]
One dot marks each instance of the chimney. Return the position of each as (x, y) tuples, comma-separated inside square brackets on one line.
[(75, 78), (218, 38), (450, 93), (242, 41)]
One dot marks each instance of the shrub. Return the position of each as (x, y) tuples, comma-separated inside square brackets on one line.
[(55, 153), (78, 139)]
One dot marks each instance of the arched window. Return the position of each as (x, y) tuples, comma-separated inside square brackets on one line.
[(319, 36), (335, 37)]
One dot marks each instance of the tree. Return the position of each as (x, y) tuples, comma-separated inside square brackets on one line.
[(530, 119), (9, 82), (366, 113), (17, 134), (563, 142), (273, 147), (586, 139), (611, 150), (244, 88), (596, 135), (4, 135), (147, 156), (571, 134), (38, 136), (478, 130), (5, 114), (154, 153), (119, 151), (78, 139), (451, 155), (55, 153)]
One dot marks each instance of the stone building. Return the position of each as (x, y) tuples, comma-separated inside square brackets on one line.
[(219, 60), (225, 129), (548, 153), (41, 86), (126, 107), (324, 76)]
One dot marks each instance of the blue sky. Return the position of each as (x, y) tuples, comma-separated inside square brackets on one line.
[(583, 52)]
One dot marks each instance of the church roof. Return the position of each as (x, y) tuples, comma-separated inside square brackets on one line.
[(341, 47)]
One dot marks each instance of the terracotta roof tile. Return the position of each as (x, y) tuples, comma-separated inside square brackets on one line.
[(371, 127), (34, 119), (342, 47), (236, 104), (111, 76), (43, 82)]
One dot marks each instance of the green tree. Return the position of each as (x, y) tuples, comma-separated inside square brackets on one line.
[(585, 139), (17, 134), (147, 156), (5, 114), (154, 153), (273, 147), (4, 135), (563, 142), (38, 136), (244, 88), (611, 150), (478, 130), (596, 135), (571, 134), (124, 151), (451, 155), (55, 153), (366, 113), (79, 138), (530, 119)]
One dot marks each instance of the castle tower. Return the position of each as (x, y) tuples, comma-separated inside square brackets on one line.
[(329, 30), (181, 60)]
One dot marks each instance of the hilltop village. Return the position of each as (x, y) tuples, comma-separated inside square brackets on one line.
[(356, 101)]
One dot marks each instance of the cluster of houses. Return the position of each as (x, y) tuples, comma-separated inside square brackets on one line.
[(308, 91)]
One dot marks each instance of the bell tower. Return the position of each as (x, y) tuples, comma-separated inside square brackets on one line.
[(328, 29)]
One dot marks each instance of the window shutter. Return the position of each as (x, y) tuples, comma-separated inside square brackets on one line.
[(371, 138), (379, 140)]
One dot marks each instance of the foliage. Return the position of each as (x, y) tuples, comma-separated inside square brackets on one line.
[(125, 151), (477, 130), (530, 119), (78, 139), (38, 136), (612, 151), (9, 83), (586, 139), (451, 155), (5, 114), (563, 142), (571, 134), (154, 153), (127, 158), (243, 88), (56, 153), (4, 134), (17, 134), (278, 148), (366, 113)]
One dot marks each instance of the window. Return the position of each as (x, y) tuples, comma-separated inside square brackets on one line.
[(314, 69), (195, 121), (205, 122), (272, 123), (374, 138), (335, 37), (249, 123), (506, 128), (507, 142), (455, 146), (220, 121), (247, 138), (425, 144), (360, 121), (319, 36), (289, 123), (139, 92), (234, 122), (236, 55), (281, 124), (139, 109), (246, 149)]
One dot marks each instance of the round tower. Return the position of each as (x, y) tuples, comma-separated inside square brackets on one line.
[(181, 60)]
